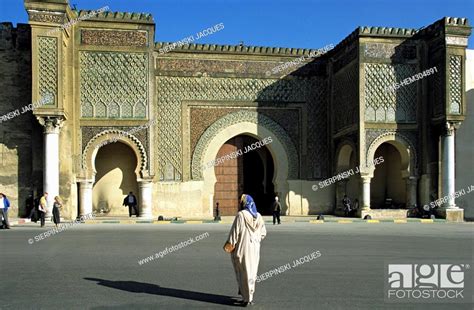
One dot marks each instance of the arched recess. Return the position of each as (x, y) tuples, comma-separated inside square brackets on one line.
[(403, 158), (111, 136), (245, 116), (347, 159), (115, 164), (277, 149), (88, 171), (345, 151), (404, 147)]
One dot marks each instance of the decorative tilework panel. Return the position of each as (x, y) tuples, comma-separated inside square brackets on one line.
[(48, 68), (113, 84), (382, 102)]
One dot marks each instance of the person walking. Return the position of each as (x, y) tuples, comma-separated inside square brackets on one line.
[(131, 202), (218, 216), (42, 207), (4, 205), (56, 206), (276, 211), (245, 236)]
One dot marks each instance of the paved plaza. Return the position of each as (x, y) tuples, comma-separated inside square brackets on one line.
[(96, 266)]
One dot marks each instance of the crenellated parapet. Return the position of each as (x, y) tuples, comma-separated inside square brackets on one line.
[(237, 49), (115, 16), (12, 38)]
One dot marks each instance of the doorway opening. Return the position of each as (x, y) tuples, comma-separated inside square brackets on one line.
[(388, 188), (250, 172), (115, 164)]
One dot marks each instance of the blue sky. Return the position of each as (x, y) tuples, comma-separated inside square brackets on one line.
[(282, 23)]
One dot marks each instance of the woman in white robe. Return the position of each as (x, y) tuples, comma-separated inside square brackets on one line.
[(247, 231)]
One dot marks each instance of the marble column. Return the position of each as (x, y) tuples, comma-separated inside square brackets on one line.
[(145, 199), (447, 165), (365, 188), (85, 197), (449, 210), (52, 126), (412, 190)]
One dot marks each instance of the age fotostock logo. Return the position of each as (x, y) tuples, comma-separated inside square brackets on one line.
[(428, 283)]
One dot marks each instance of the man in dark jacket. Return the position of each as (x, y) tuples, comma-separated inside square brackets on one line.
[(276, 208), (131, 202)]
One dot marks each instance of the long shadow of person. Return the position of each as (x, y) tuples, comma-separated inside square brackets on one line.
[(139, 287)]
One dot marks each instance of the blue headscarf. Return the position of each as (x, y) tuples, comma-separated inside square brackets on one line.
[(249, 205)]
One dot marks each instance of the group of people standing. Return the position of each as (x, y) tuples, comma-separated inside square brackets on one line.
[(35, 208), (40, 208)]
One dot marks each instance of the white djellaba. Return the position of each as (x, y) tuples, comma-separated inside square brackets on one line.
[(247, 231)]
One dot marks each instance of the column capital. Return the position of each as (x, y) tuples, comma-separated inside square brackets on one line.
[(51, 124), (86, 183), (450, 128), (365, 178)]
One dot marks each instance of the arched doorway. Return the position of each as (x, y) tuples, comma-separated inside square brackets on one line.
[(115, 164), (347, 161), (388, 187), (250, 172)]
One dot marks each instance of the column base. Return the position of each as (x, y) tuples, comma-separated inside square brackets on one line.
[(363, 212), (145, 199), (452, 214), (145, 216)]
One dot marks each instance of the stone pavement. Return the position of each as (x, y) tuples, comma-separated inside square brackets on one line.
[(98, 267)]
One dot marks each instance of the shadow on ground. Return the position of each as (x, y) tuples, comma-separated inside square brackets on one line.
[(139, 287)]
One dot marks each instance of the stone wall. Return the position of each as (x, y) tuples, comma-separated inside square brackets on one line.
[(465, 145), (20, 136), (296, 102), (312, 106)]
